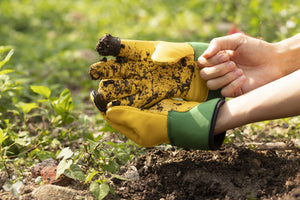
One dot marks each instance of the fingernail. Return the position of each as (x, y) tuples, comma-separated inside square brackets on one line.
[(238, 72), (201, 60), (223, 57), (241, 80), (207, 51), (230, 65)]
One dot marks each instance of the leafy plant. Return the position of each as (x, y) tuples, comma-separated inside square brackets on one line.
[(95, 164), (7, 58), (58, 108), (2, 152)]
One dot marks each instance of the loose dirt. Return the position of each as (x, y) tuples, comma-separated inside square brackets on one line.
[(230, 173)]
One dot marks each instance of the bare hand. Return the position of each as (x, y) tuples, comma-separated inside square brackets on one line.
[(238, 64)]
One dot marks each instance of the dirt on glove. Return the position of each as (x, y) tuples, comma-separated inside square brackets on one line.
[(109, 45)]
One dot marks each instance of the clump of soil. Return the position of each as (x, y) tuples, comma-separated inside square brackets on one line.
[(230, 173), (108, 45)]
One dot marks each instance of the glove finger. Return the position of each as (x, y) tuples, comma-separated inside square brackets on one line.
[(112, 89), (137, 50), (99, 102), (141, 100), (113, 69), (133, 50)]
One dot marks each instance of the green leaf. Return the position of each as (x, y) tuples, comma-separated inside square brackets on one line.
[(90, 176), (27, 107), (120, 177), (33, 153), (8, 56), (21, 141), (43, 155), (75, 172), (65, 153), (64, 104), (123, 157), (2, 137), (112, 167), (5, 48), (99, 190), (6, 71), (107, 128), (42, 90), (62, 166)]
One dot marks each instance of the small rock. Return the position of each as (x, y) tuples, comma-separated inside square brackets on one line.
[(36, 170), (3, 178), (38, 180), (296, 142), (285, 125), (47, 170), (132, 173), (49, 174), (14, 188), (293, 195), (53, 192)]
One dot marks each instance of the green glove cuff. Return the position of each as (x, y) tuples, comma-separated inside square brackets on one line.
[(195, 128), (212, 94), (199, 48)]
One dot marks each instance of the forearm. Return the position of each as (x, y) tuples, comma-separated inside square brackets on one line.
[(278, 99), (288, 52)]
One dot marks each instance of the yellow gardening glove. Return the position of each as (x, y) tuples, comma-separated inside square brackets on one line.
[(181, 123), (145, 72)]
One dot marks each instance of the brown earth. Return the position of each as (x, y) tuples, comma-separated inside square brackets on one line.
[(230, 173)]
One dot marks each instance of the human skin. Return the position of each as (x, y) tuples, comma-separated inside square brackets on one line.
[(278, 99), (239, 63), (265, 77)]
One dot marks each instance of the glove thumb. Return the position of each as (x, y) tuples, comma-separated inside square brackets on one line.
[(143, 127), (172, 52)]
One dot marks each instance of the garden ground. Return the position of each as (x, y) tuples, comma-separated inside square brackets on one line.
[(239, 170)]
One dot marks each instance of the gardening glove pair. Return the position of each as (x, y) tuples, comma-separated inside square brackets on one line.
[(145, 72), (180, 123), (151, 72)]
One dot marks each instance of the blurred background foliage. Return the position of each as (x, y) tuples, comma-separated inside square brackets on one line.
[(54, 40)]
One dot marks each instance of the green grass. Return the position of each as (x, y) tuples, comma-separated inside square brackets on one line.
[(44, 87)]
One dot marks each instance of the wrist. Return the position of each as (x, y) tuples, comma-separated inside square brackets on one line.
[(232, 114), (287, 54)]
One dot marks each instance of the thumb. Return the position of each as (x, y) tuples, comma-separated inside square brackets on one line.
[(172, 52), (230, 42)]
